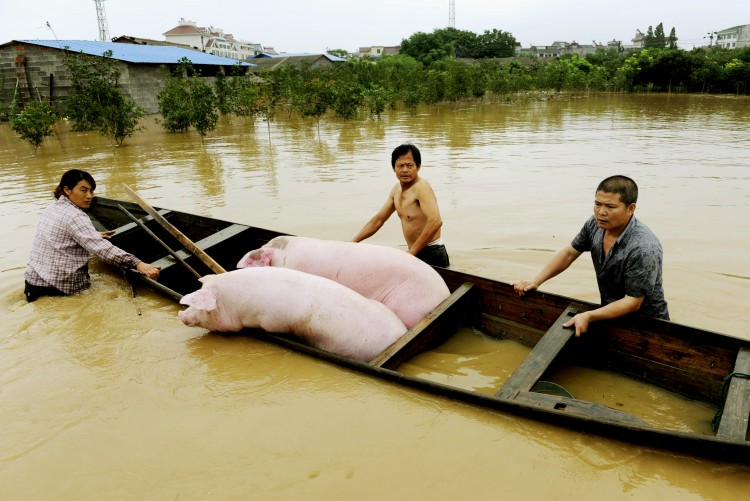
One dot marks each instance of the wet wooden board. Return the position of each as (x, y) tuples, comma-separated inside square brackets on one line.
[(734, 417), (440, 323), (540, 357)]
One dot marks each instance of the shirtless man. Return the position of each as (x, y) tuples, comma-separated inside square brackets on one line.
[(414, 201)]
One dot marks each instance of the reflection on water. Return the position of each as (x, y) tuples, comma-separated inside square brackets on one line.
[(110, 394)]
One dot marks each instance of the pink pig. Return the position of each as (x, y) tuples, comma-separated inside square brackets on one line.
[(402, 282), (321, 312)]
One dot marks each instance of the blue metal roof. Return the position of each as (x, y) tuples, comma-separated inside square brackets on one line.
[(132, 53)]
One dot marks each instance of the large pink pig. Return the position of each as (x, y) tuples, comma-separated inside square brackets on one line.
[(321, 312), (405, 284)]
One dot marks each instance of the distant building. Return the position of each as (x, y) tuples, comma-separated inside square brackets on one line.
[(734, 38), (378, 51), (638, 40), (212, 41), (270, 62), (35, 69), (558, 49)]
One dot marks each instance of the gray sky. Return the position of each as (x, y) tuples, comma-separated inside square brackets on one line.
[(313, 26)]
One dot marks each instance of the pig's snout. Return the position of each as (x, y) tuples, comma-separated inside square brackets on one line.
[(186, 317)]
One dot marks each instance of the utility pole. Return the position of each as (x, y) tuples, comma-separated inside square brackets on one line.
[(452, 14), (711, 38), (101, 17)]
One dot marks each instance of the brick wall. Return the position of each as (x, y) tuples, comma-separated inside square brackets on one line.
[(25, 71)]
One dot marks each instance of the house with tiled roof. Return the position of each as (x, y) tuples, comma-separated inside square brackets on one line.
[(211, 40)]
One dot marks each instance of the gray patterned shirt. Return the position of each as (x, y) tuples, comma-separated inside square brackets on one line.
[(632, 267), (65, 239)]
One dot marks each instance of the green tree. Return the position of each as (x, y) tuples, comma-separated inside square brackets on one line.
[(95, 101), (673, 39), (186, 101), (243, 95), (659, 38), (34, 123), (648, 40), (495, 43), (315, 99), (339, 53)]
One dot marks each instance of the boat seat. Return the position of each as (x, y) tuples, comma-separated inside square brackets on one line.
[(126, 227), (205, 244), (734, 417), (541, 356), (428, 331)]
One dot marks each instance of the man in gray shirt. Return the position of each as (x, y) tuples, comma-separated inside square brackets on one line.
[(627, 258)]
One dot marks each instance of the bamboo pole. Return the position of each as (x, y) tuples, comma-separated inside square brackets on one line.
[(189, 245)]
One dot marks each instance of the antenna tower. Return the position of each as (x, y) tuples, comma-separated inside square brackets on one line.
[(101, 17), (452, 14)]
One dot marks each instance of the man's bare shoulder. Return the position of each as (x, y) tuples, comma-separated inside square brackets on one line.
[(422, 187)]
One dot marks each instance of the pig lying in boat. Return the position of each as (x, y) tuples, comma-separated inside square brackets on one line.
[(405, 284), (320, 312)]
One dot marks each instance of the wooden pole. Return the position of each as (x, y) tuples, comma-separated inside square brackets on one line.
[(159, 241), (189, 245)]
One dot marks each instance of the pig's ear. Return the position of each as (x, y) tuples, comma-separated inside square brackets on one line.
[(257, 257), (246, 260), (202, 299)]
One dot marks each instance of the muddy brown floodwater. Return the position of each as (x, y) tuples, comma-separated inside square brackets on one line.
[(108, 396)]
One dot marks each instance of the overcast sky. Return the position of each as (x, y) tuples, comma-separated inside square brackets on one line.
[(314, 26)]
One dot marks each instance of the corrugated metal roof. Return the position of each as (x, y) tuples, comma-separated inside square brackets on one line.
[(131, 53)]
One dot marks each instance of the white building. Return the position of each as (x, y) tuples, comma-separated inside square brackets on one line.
[(734, 38), (212, 41)]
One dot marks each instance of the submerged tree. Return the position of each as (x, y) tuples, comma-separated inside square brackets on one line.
[(186, 101), (34, 123), (96, 102)]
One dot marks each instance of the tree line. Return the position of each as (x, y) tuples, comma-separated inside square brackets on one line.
[(446, 65)]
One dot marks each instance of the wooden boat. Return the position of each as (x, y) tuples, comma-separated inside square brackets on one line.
[(703, 366)]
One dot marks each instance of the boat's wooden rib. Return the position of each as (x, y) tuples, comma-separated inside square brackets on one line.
[(541, 356), (734, 417), (428, 332)]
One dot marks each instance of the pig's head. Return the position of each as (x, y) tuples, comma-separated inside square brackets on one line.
[(257, 257), (202, 309)]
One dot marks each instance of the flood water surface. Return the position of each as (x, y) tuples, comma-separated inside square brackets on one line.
[(107, 395)]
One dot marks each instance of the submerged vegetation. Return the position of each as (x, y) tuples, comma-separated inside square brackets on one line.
[(446, 65)]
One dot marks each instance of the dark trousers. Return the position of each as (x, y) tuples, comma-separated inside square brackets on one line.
[(34, 292), (435, 255)]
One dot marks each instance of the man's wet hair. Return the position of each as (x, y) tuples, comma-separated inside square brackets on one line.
[(621, 185), (402, 150)]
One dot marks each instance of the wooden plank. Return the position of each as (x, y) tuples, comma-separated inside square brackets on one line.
[(582, 408), (541, 356), (734, 417), (441, 322), (184, 240), (206, 243)]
